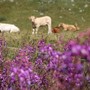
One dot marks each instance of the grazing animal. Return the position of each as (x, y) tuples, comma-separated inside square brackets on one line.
[(56, 29), (69, 27), (40, 21), (8, 28)]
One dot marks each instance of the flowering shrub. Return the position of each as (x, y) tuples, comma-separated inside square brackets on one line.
[(66, 68), (42, 67), (18, 74)]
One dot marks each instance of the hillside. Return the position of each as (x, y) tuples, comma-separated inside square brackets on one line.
[(68, 11)]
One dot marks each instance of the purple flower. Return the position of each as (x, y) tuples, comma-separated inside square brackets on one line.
[(75, 50), (84, 52)]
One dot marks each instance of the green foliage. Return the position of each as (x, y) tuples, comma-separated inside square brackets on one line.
[(2, 18), (18, 11)]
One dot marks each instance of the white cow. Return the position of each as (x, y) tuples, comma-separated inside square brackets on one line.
[(40, 21), (4, 27)]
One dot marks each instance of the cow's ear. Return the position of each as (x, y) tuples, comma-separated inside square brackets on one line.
[(76, 24), (61, 24), (29, 18)]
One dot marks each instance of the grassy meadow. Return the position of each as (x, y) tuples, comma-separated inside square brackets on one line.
[(18, 11)]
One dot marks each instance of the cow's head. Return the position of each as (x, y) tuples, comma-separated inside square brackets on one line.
[(32, 18)]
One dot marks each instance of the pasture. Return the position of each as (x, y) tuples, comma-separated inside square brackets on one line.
[(17, 12)]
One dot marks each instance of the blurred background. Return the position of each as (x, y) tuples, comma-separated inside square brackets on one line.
[(67, 11)]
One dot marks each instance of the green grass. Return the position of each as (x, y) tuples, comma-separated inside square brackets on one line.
[(18, 12)]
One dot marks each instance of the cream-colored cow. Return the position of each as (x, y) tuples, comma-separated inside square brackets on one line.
[(40, 21)]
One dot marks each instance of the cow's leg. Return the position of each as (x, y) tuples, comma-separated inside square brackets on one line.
[(36, 30), (33, 30), (49, 29)]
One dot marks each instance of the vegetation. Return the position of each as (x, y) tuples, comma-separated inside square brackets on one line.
[(17, 12), (45, 62), (63, 65)]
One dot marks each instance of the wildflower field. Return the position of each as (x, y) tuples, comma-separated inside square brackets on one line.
[(64, 65), (45, 62)]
